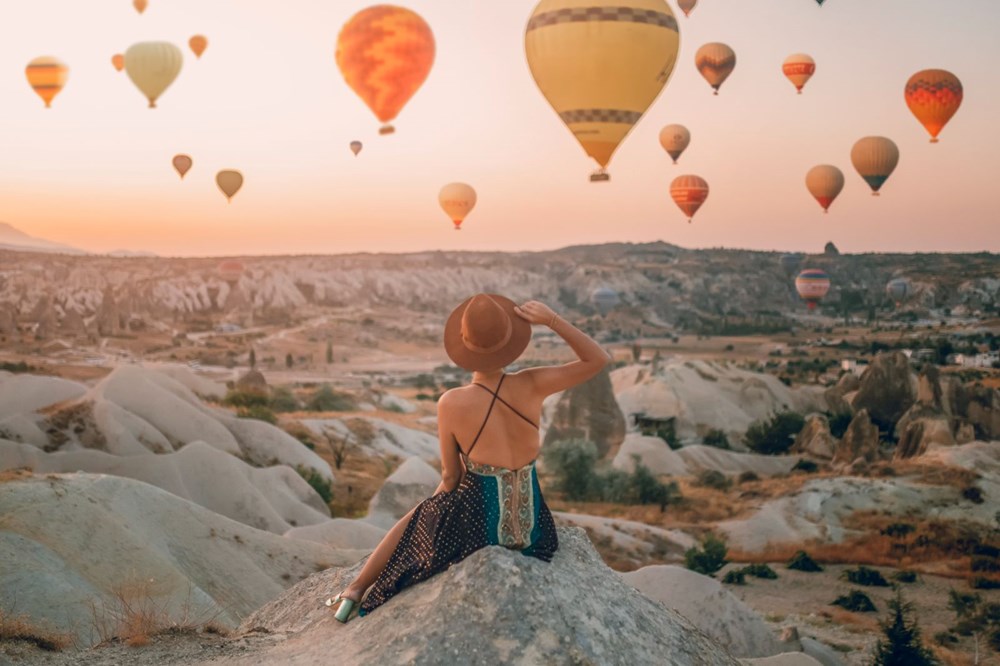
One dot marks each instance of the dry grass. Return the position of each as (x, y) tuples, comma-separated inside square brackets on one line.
[(855, 623), (20, 628), (19, 474)]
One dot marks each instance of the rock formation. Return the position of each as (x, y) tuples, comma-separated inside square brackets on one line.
[(888, 388), (815, 440), (589, 411), (411, 483), (861, 440), (253, 382)]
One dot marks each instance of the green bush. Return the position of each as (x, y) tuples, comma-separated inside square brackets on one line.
[(647, 489), (259, 412), (283, 400), (867, 576), (711, 478), (16, 368), (238, 398), (747, 476), (856, 602), (319, 483), (735, 577), (775, 435), (716, 438), (760, 570), (802, 562), (807, 466), (901, 644), (897, 530), (325, 399), (983, 583), (905, 576), (709, 559), (974, 494)]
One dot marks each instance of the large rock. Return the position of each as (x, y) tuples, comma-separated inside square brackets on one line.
[(923, 434), (495, 607), (633, 542), (980, 406), (411, 483), (860, 440), (888, 388), (387, 438), (710, 607), (340, 533), (836, 396), (589, 411), (653, 452), (815, 440), (699, 457)]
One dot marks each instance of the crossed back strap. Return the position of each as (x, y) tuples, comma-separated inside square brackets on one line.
[(496, 396)]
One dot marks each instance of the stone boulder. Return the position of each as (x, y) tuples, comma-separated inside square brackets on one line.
[(411, 483), (252, 382), (815, 440), (495, 607), (589, 411), (836, 396), (980, 406), (861, 440), (888, 388), (653, 452), (923, 434)]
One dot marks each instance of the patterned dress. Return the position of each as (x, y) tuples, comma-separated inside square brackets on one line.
[(492, 506)]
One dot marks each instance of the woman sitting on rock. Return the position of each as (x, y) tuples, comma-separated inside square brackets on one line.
[(489, 493)]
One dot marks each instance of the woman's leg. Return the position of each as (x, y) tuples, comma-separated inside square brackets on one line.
[(377, 560)]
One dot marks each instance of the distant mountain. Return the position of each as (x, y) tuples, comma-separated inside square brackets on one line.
[(17, 240)]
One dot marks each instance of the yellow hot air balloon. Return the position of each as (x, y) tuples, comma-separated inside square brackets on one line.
[(675, 139), (229, 181), (153, 66), (600, 64), (686, 6), (933, 96), (385, 53), (825, 182), (798, 68), (689, 193), (875, 158), (47, 75), (198, 44), (140, 5), (182, 163), (356, 147), (457, 200), (118, 62), (716, 62)]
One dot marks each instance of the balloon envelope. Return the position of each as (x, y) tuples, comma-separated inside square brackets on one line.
[(875, 158), (457, 200), (686, 6), (140, 5), (675, 139), (715, 61), (198, 44), (605, 299), (153, 66), (825, 182), (689, 193), (812, 285), (47, 76), (385, 54), (182, 163), (600, 65), (933, 96), (231, 270), (356, 147), (229, 181), (118, 62), (898, 289), (798, 68)]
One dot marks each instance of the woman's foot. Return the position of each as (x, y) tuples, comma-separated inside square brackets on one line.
[(345, 603)]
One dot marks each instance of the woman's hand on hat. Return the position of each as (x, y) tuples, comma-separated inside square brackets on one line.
[(535, 313)]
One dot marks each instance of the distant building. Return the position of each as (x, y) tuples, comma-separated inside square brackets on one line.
[(983, 360), (853, 366)]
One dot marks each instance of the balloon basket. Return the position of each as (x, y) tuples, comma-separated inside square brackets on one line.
[(386, 129), (601, 176), (934, 140), (876, 194)]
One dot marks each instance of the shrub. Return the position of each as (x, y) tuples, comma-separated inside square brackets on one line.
[(856, 602), (774, 436), (711, 478), (905, 576), (897, 530), (258, 412), (16, 368), (22, 629), (945, 638), (983, 583), (716, 438), (709, 559), (807, 466), (325, 399), (865, 576), (238, 398), (802, 562), (318, 482), (839, 422), (760, 570), (747, 476), (901, 645), (572, 461), (283, 400), (645, 487), (735, 577), (974, 494)]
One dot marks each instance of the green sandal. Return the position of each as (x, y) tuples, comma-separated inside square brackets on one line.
[(347, 607)]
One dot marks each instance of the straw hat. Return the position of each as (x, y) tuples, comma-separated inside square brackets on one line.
[(484, 333)]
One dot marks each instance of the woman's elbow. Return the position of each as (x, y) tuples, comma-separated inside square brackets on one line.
[(450, 481)]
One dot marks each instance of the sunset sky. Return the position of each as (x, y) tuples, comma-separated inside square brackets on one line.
[(267, 98)]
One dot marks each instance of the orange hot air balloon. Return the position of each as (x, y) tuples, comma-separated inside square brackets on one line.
[(385, 53), (689, 193), (198, 44), (118, 61), (716, 62), (798, 68), (47, 76), (875, 158), (182, 163), (686, 6), (229, 181), (140, 5), (457, 200), (825, 182), (933, 96)]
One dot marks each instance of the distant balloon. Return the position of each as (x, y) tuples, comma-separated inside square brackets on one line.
[(140, 5), (820, 2), (933, 96), (875, 158), (716, 62), (798, 68), (686, 6), (356, 147), (825, 182), (790, 263), (231, 270), (229, 181), (182, 163), (812, 285), (153, 66), (605, 300), (457, 200), (47, 76), (898, 290), (675, 139), (118, 62), (198, 44), (600, 65), (385, 53), (689, 193)]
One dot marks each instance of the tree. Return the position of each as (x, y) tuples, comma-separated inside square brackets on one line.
[(253, 359), (340, 445), (974, 618), (288, 360), (901, 645), (636, 352), (329, 351), (775, 435), (709, 559)]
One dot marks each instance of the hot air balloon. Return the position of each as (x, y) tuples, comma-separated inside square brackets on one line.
[(716, 62), (689, 193), (898, 290), (356, 147), (229, 181), (47, 75), (600, 64), (798, 68), (790, 263), (933, 96), (457, 200), (118, 62), (875, 158), (385, 53), (605, 299), (686, 6), (812, 285), (140, 5), (825, 182), (675, 139), (198, 44), (182, 163), (231, 270), (153, 66)]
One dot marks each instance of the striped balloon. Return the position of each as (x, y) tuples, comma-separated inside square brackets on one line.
[(715, 61), (798, 68), (689, 193), (825, 182), (933, 96), (47, 75), (812, 285), (875, 158), (686, 6)]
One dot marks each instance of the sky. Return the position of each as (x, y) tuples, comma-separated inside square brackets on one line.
[(267, 98)]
